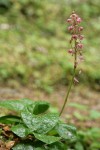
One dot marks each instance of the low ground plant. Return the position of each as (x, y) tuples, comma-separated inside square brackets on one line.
[(32, 126)]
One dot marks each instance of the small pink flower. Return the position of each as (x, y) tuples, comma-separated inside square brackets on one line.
[(70, 28), (80, 45), (70, 51), (80, 28), (75, 36), (81, 37), (78, 20), (69, 20)]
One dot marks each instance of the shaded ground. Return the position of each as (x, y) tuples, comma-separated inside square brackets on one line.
[(78, 115)]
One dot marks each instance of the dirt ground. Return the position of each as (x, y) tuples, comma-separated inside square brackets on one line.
[(81, 95)]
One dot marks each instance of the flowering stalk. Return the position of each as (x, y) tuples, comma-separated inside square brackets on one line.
[(76, 48)]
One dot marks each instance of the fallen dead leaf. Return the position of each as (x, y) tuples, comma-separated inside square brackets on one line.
[(10, 144), (6, 128)]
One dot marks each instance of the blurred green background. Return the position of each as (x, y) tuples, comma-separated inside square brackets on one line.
[(33, 53), (34, 42)]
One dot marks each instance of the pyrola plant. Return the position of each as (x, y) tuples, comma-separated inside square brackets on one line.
[(76, 48)]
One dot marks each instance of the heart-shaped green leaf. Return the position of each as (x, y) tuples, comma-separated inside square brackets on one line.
[(46, 122), (16, 105), (40, 124), (40, 107), (27, 117), (46, 139), (20, 130), (67, 132)]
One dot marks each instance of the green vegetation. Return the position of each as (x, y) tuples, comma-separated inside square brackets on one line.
[(41, 130), (33, 53), (35, 128), (33, 42)]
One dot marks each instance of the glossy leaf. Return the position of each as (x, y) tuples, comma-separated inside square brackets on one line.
[(16, 105), (66, 131), (23, 146), (41, 124), (27, 117), (46, 139), (20, 130), (40, 107), (46, 122), (9, 119), (57, 146)]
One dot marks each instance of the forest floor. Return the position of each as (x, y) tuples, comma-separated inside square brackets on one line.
[(82, 108)]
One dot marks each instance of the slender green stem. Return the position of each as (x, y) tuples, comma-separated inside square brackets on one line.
[(66, 98), (71, 82)]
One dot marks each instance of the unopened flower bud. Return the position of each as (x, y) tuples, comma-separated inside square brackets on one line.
[(80, 45), (80, 28), (78, 20), (73, 16), (74, 36), (70, 28), (81, 37), (70, 51), (76, 39), (69, 20)]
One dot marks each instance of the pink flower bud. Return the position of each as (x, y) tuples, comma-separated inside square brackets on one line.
[(80, 28), (70, 28), (69, 20), (81, 37), (70, 51), (73, 16), (78, 20), (74, 36), (80, 45)]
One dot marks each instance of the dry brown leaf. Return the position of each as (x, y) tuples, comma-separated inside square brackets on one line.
[(10, 144), (6, 128)]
